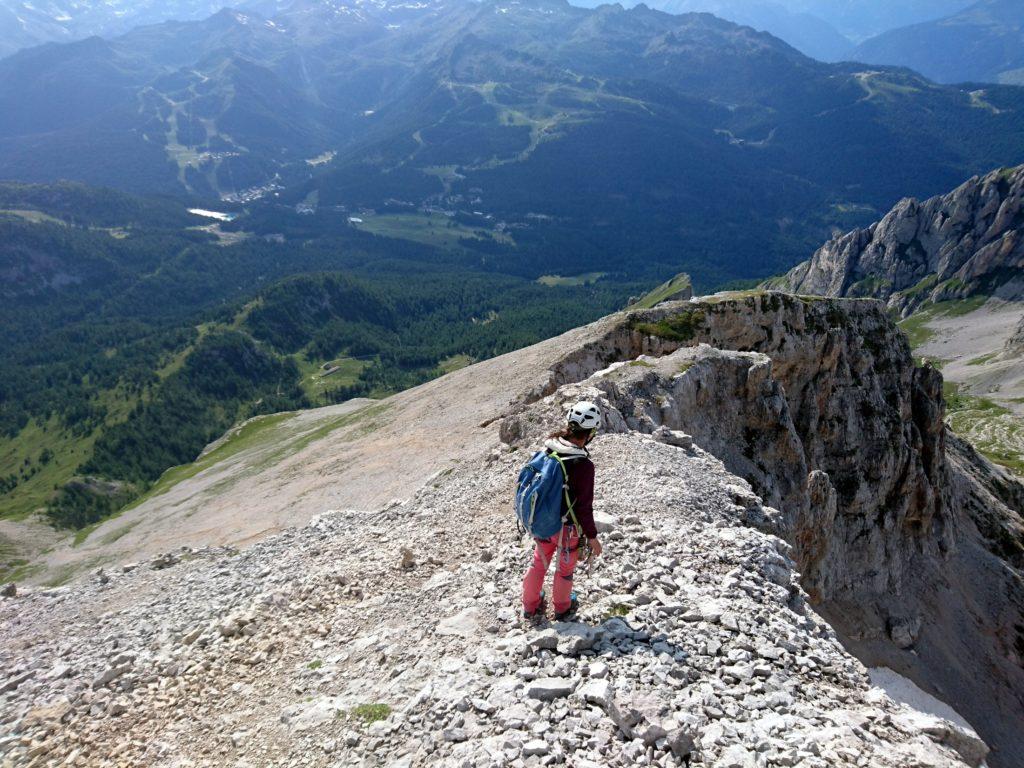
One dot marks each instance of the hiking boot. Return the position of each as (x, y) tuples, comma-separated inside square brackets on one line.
[(570, 611), (538, 613)]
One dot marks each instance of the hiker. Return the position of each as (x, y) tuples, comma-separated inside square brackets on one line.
[(576, 476)]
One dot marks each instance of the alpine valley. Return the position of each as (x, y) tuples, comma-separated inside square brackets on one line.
[(534, 115)]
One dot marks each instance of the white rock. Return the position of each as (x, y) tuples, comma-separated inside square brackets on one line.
[(466, 623), (598, 692), (310, 714), (605, 522), (673, 437), (545, 639), (536, 747), (574, 638), (736, 756)]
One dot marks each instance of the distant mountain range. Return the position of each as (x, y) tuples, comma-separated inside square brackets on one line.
[(620, 139), (826, 30), (808, 25), (982, 43), (806, 32), (24, 24), (861, 19)]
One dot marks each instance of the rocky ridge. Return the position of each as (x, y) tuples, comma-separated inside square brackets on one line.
[(391, 638), (896, 524), (967, 242), (697, 645)]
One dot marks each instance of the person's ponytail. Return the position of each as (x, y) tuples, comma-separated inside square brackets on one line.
[(570, 432)]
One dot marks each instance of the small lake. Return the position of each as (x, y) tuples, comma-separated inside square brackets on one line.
[(218, 215)]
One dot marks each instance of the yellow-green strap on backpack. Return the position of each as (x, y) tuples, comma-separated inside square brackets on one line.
[(565, 490)]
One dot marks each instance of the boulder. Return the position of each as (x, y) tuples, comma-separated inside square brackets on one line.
[(965, 743), (604, 522), (736, 756), (598, 692), (674, 437), (550, 688), (536, 748), (574, 638), (545, 639), (306, 715)]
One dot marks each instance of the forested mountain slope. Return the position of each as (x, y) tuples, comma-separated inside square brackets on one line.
[(132, 335)]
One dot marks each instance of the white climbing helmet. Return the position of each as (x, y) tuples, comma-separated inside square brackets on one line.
[(585, 415)]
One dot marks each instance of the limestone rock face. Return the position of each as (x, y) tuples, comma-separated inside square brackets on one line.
[(968, 241), (818, 405)]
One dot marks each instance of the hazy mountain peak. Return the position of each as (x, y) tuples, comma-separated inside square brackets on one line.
[(983, 43)]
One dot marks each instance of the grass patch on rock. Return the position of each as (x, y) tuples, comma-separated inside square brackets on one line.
[(679, 284), (982, 359), (681, 327), (454, 363), (618, 610), (369, 713), (916, 329), (994, 430), (434, 229), (251, 433), (556, 281)]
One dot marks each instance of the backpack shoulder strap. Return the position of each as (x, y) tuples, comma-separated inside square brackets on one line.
[(565, 489)]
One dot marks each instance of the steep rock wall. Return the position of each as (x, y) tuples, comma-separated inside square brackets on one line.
[(864, 416)]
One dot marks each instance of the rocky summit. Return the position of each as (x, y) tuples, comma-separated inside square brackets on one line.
[(781, 506), (949, 247)]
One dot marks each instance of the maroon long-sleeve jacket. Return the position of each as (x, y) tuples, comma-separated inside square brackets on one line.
[(581, 491)]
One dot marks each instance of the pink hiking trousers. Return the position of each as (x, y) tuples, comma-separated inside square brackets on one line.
[(543, 552)]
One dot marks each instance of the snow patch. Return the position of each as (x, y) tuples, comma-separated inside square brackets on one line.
[(904, 691)]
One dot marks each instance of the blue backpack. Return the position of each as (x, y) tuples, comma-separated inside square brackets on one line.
[(539, 495)]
